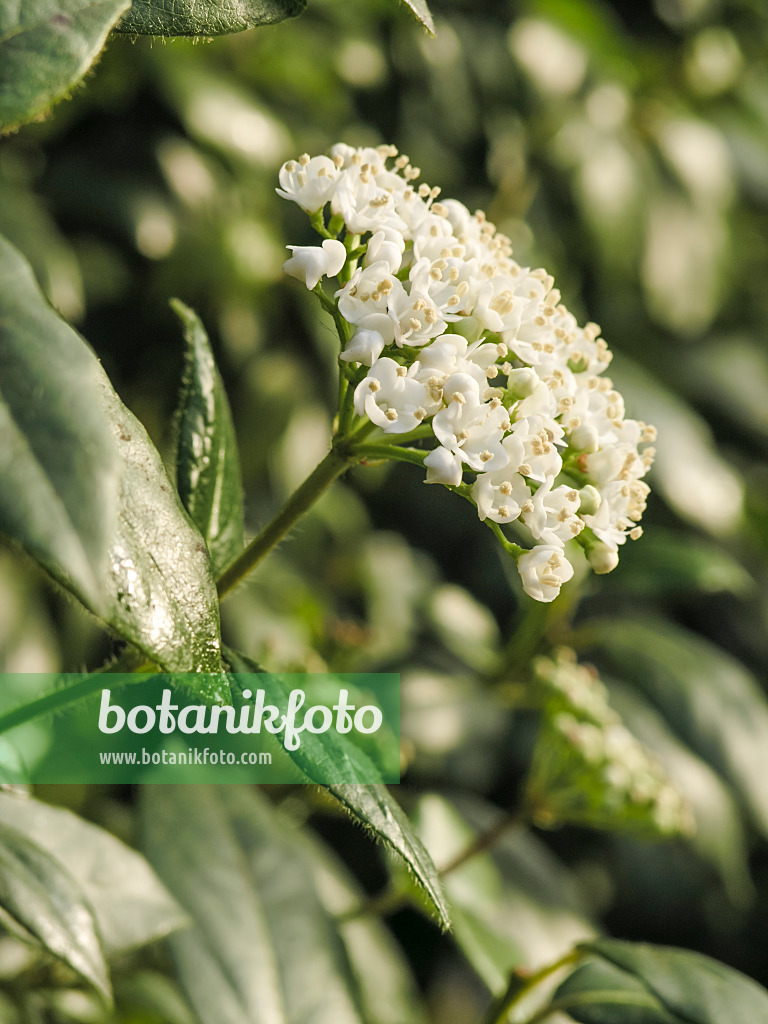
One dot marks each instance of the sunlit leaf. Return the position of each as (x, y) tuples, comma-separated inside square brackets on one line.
[(85, 491), (207, 464), (59, 462), (205, 19), (162, 596), (46, 46), (129, 903), (40, 895)]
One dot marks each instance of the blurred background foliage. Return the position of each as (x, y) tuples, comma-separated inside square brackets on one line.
[(623, 147)]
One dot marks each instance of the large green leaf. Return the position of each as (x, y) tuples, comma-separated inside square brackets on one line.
[(209, 18), (59, 463), (264, 948), (207, 463), (39, 894), (85, 492), (46, 46), (708, 697), (330, 755), (129, 903), (162, 596), (679, 987), (599, 993), (719, 834)]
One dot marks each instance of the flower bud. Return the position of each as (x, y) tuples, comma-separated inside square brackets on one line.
[(522, 382), (583, 439), (602, 558), (590, 500), (365, 347)]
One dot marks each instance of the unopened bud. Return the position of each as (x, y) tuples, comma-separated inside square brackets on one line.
[(602, 558), (522, 382), (590, 500), (583, 439)]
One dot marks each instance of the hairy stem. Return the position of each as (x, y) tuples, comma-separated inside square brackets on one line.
[(338, 459)]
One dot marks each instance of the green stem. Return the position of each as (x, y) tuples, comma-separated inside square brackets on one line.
[(342, 327), (519, 988), (390, 452), (317, 220), (509, 546), (338, 459), (131, 661), (527, 636)]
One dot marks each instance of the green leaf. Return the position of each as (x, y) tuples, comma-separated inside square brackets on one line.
[(264, 950), (669, 564), (85, 492), (719, 836), (515, 907), (690, 988), (385, 989), (422, 13), (379, 813), (130, 904), (59, 463), (598, 993), (209, 18), (698, 483), (207, 463), (40, 895), (324, 754), (45, 49), (162, 596), (709, 698)]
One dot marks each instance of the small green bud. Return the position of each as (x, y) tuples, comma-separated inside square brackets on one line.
[(590, 500)]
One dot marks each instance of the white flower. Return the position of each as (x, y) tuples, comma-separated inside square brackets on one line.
[(444, 467), (543, 570), (364, 347), (385, 246), (366, 298), (500, 496), (530, 411), (311, 262), (363, 203), (308, 182), (552, 516), (390, 397)]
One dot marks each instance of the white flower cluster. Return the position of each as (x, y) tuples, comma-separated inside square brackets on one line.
[(447, 329), (620, 784)]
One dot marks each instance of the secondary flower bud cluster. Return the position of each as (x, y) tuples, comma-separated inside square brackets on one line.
[(587, 768), (447, 330)]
